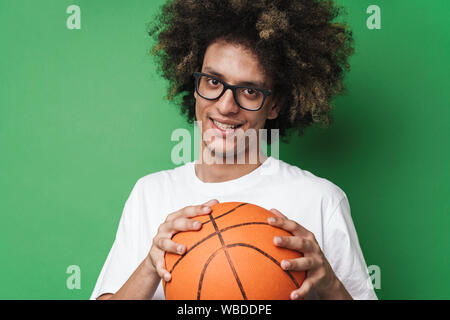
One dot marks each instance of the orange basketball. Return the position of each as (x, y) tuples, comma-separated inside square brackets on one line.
[(232, 257)]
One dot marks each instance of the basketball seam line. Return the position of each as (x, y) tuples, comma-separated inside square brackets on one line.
[(267, 256), (218, 232), (224, 214), (210, 236), (206, 238), (242, 245), (228, 258), (202, 275)]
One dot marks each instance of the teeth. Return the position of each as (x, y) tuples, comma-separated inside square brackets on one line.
[(224, 126)]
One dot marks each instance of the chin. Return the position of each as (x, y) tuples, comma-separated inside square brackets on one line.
[(226, 153)]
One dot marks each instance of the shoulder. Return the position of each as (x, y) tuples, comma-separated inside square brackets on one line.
[(150, 195), (164, 177), (296, 178), (154, 189)]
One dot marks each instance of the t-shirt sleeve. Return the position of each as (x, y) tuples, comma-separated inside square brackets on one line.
[(342, 250), (122, 259)]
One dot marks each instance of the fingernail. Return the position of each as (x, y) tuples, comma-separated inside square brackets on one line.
[(196, 224), (277, 240), (294, 296), (180, 249), (206, 209), (271, 220), (167, 277), (285, 264)]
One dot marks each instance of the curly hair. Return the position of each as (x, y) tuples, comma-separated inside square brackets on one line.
[(298, 43)]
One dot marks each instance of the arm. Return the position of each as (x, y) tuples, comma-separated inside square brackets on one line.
[(144, 281), (140, 286), (319, 274)]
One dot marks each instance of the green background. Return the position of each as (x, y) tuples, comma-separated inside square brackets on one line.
[(82, 118)]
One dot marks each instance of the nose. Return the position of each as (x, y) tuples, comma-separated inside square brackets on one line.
[(226, 104)]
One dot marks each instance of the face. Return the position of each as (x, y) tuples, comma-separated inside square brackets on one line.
[(222, 120)]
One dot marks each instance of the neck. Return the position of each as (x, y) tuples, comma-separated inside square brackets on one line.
[(208, 170)]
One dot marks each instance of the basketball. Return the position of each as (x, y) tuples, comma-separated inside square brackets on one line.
[(232, 257)]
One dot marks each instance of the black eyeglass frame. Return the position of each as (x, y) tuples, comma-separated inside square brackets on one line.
[(227, 86)]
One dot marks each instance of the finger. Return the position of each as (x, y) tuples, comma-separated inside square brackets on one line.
[(288, 225), (157, 258), (168, 245), (278, 213), (170, 228), (295, 243), (283, 223), (211, 202), (193, 211), (185, 224), (190, 211), (174, 215), (304, 289), (162, 272), (299, 264)]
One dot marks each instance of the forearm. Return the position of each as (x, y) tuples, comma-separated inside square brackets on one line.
[(141, 285), (337, 291)]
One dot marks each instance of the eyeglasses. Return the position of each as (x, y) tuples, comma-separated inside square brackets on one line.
[(211, 88)]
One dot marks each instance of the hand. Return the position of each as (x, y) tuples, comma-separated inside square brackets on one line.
[(319, 274), (177, 221)]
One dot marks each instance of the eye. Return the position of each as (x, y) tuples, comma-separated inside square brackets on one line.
[(213, 82), (250, 92)]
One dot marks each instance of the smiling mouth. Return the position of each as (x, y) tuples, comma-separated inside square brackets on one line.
[(225, 126)]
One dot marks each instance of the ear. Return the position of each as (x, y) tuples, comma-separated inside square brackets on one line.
[(274, 109)]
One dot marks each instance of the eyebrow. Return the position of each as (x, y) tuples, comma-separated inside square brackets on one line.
[(257, 84)]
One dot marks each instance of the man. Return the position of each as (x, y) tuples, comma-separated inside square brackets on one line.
[(243, 66)]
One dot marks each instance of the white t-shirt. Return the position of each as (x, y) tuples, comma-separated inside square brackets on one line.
[(315, 203)]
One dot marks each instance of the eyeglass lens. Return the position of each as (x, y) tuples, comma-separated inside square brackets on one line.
[(248, 98)]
